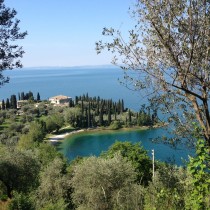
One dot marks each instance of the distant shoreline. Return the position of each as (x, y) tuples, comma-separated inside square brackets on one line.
[(60, 137), (67, 67)]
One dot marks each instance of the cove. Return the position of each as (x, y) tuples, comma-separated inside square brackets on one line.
[(89, 143)]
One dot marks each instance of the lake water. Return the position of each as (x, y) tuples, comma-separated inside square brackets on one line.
[(90, 143), (95, 81)]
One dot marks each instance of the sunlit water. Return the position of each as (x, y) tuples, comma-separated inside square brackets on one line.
[(103, 82), (90, 143)]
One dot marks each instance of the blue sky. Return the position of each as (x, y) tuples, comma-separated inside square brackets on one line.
[(64, 32)]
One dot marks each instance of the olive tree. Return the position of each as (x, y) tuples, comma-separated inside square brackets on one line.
[(168, 49), (18, 170), (54, 186), (9, 32), (100, 183), (138, 157)]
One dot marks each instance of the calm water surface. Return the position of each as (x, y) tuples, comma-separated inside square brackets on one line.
[(90, 143), (72, 82)]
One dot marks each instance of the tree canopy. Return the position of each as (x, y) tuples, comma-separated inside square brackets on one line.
[(9, 33), (169, 50)]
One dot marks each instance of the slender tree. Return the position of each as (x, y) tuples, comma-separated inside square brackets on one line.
[(129, 116), (109, 116), (101, 113), (13, 102), (89, 115), (7, 104), (22, 96), (169, 49), (38, 97), (3, 105)]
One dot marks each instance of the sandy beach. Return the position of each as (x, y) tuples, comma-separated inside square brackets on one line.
[(63, 136)]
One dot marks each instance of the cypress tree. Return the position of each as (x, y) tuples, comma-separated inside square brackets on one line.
[(97, 108), (89, 115), (115, 111), (7, 104), (101, 121), (3, 105), (87, 97), (122, 106), (38, 97), (76, 100), (82, 107), (129, 116), (22, 96), (119, 107), (109, 116), (30, 96), (86, 124), (13, 102)]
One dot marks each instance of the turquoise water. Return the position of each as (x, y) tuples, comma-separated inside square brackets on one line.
[(90, 143), (95, 81)]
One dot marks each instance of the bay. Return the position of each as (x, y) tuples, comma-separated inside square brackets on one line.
[(94, 143)]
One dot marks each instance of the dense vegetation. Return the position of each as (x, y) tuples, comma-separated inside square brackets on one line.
[(40, 178), (33, 175), (83, 112)]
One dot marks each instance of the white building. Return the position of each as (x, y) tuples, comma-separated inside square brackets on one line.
[(60, 100)]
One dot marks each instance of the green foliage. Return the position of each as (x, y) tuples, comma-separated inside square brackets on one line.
[(59, 120), (35, 136), (59, 205), (21, 201), (3, 197), (115, 125), (72, 115), (167, 190), (100, 183), (46, 153), (10, 32), (50, 124), (18, 170), (198, 168), (54, 185), (138, 157)]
